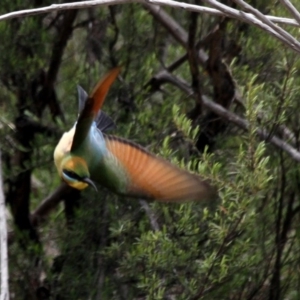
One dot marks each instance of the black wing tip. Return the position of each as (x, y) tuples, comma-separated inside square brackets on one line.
[(82, 97), (104, 122)]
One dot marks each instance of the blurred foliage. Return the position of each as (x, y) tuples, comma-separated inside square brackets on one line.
[(243, 246)]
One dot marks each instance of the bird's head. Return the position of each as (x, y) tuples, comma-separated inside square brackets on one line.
[(74, 172)]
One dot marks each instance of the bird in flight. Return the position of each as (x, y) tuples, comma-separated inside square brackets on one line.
[(86, 156)]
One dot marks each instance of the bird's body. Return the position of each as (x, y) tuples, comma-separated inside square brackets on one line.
[(85, 155)]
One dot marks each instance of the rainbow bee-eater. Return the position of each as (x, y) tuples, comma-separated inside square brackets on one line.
[(85, 156)]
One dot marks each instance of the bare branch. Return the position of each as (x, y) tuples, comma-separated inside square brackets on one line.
[(4, 293), (258, 20), (231, 117), (292, 9), (58, 7), (89, 4), (242, 123), (265, 20), (251, 19)]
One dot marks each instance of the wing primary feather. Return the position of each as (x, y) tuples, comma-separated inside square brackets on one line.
[(153, 177)]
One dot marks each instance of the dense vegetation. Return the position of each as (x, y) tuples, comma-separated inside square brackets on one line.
[(64, 244)]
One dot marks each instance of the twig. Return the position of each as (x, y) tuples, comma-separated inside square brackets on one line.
[(292, 9), (4, 293), (150, 214)]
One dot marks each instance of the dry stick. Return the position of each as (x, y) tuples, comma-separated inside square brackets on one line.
[(4, 293), (292, 9), (251, 19), (265, 20), (88, 4), (233, 118)]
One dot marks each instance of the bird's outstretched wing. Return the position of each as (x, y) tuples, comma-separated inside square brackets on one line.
[(91, 107), (152, 177)]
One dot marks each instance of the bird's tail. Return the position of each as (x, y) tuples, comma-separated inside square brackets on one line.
[(91, 108), (103, 121)]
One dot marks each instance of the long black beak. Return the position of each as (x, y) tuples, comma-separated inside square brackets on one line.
[(89, 182)]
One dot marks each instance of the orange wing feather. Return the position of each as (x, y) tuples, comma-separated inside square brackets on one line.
[(155, 178)]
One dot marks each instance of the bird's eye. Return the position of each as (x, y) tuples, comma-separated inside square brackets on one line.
[(72, 175)]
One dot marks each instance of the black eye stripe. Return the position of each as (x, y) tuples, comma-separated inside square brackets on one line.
[(72, 174)]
